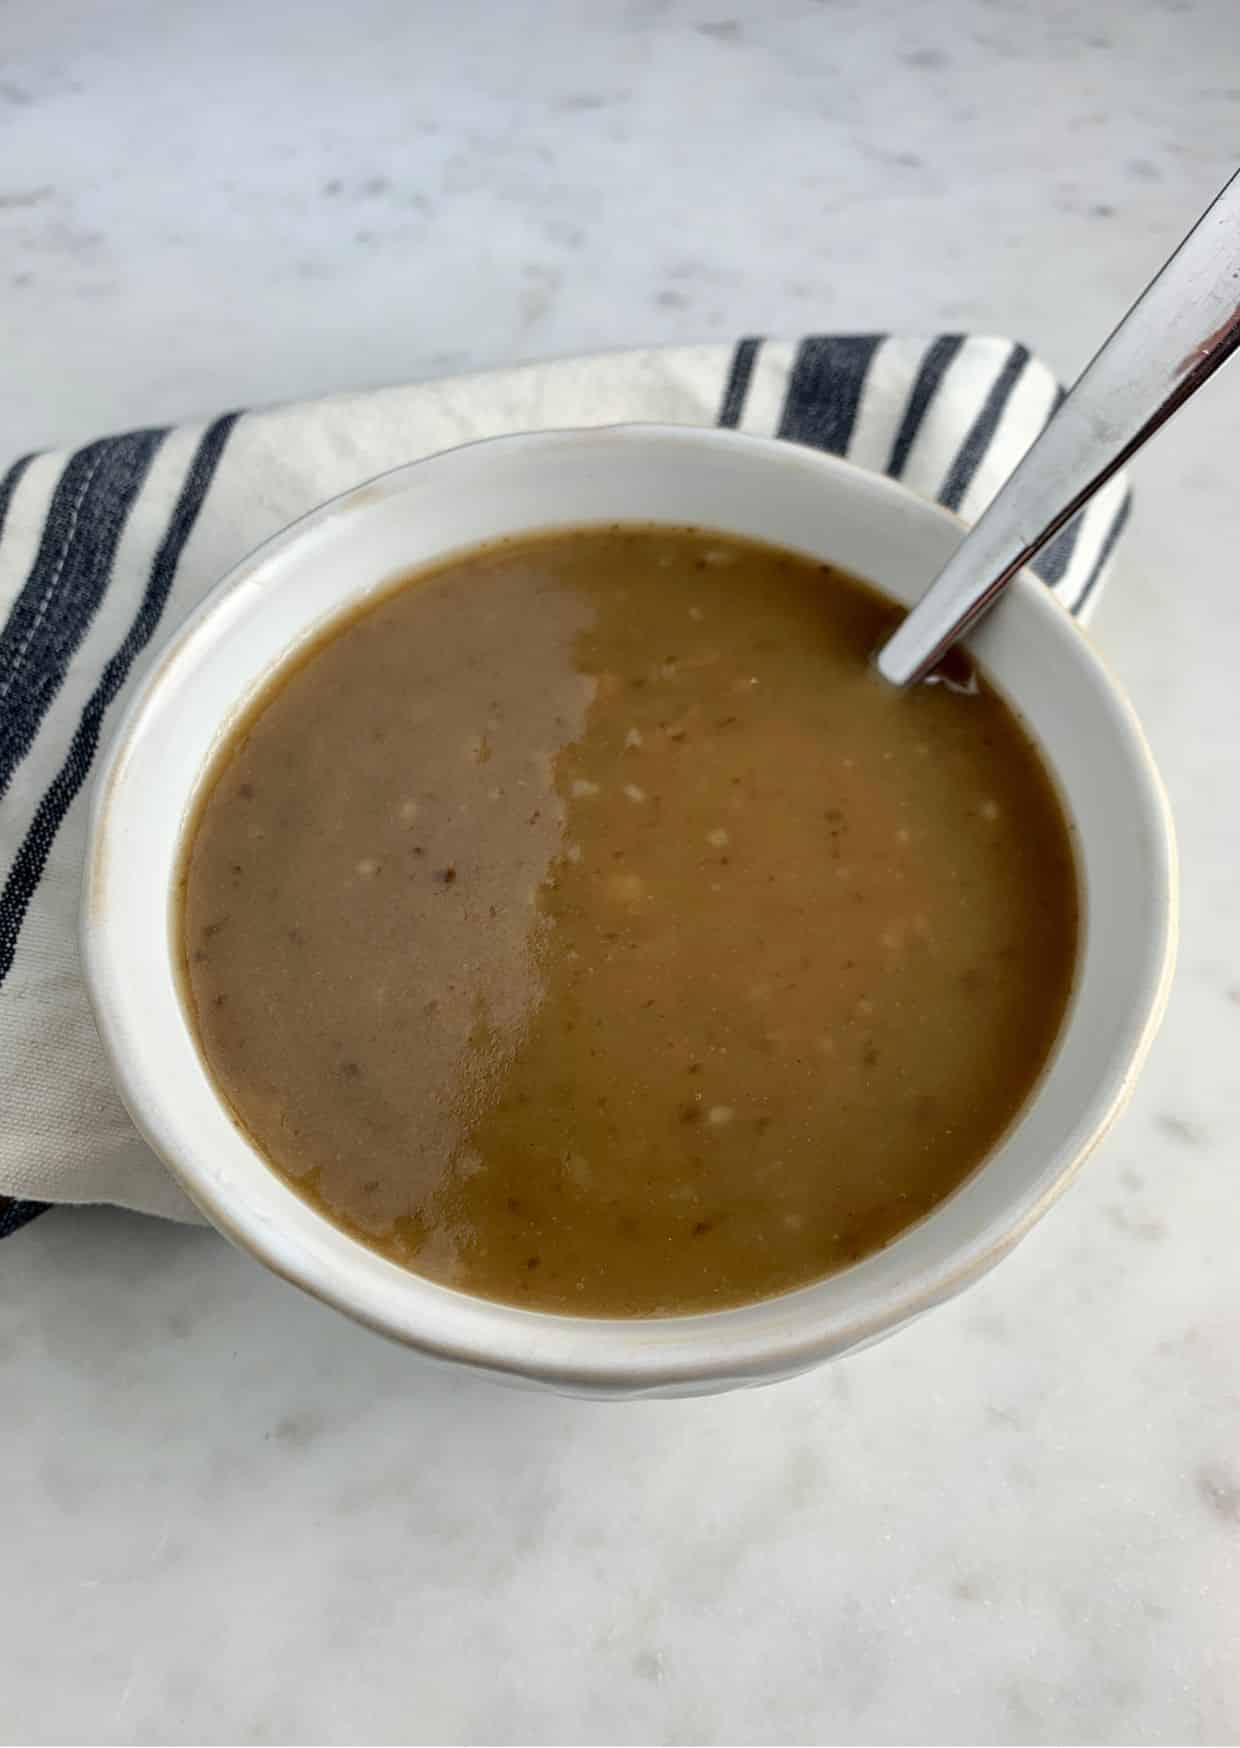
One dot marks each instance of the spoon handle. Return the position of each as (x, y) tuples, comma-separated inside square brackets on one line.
[(1185, 324)]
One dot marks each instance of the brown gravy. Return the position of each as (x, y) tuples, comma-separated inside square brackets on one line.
[(585, 925)]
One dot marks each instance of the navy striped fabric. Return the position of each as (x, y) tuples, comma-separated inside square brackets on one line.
[(825, 389), (26, 868), (738, 383), (939, 356), (65, 586), (92, 547), (981, 433), (44, 627)]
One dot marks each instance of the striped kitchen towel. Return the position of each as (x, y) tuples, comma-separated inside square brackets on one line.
[(104, 550)]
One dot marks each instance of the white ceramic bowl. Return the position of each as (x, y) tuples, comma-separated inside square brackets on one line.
[(283, 595)]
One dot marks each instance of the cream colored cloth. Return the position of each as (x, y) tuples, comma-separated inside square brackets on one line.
[(104, 551)]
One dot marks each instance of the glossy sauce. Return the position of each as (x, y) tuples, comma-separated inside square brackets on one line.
[(586, 925)]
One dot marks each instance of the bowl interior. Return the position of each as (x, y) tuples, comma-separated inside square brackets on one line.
[(767, 490)]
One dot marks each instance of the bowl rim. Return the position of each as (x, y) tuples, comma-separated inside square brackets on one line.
[(705, 1349)]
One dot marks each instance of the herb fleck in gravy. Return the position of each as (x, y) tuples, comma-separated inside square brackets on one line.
[(585, 925)]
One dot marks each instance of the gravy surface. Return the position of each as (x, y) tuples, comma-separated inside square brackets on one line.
[(585, 925)]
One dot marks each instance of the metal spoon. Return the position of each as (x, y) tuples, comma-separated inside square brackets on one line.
[(1185, 324)]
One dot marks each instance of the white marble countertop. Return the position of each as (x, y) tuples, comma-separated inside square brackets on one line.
[(229, 1515)]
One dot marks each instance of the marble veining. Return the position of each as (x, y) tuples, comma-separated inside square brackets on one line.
[(231, 1515)]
